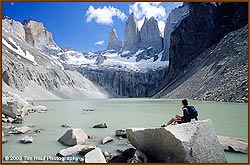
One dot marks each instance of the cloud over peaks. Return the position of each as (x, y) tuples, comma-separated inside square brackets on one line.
[(101, 42), (104, 15)]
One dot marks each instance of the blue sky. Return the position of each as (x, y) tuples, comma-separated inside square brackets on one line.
[(85, 26)]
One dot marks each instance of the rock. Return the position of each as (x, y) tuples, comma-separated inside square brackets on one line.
[(232, 144), (38, 130), (174, 19), (75, 150), (132, 35), (124, 156), (39, 108), (8, 127), (91, 136), (38, 36), (107, 139), (121, 133), (197, 33), (102, 125), (65, 126), (10, 120), (73, 137), (151, 36), (108, 156), (21, 130), (95, 156), (3, 139), (188, 142), (114, 43), (14, 27), (26, 139)]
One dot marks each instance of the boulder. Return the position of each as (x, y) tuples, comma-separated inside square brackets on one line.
[(107, 139), (26, 139), (121, 133), (187, 142), (75, 150), (73, 137), (95, 156), (39, 108), (232, 144), (21, 130), (102, 125)]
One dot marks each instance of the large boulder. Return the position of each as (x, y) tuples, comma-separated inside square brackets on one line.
[(75, 150), (26, 139), (232, 144), (95, 156), (73, 137), (188, 142)]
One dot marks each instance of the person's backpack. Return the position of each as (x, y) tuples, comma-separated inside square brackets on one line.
[(192, 112)]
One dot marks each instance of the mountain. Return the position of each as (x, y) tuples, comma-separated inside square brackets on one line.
[(114, 43), (173, 21), (201, 56), (204, 56), (33, 74)]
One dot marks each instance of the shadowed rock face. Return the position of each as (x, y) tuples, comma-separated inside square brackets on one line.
[(114, 43), (205, 26), (173, 21), (150, 36), (132, 35), (188, 142)]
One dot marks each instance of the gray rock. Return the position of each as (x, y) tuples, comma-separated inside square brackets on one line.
[(75, 150), (73, 137), (95, 156), (232, 144), (102, 125), (3, 139), (107, 140), (21, 130), (26, 139), (121, 133), (188, 142), (150, 36), (38, 36), (114, 43), (174, 19), (132, 35)]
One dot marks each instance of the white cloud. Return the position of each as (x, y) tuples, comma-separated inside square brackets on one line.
[(104, 15), (149, 9), (101, 42)]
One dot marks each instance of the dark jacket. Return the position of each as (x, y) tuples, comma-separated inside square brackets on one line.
[(186, 117)]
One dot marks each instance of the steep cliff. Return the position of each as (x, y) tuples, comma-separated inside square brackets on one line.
[(150, 36), (206, 25), (122, 83), (114, 43), (132, 35), (32, 74), (173, 21), (218, 74), (39, 37)]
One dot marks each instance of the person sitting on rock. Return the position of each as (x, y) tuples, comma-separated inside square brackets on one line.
[(187, 115)]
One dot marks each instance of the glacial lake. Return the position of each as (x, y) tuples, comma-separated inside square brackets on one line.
[(229, 119)]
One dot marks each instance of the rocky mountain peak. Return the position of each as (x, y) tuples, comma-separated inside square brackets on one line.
[(150, 35), (39, 37), (114, 43), (132, 35)]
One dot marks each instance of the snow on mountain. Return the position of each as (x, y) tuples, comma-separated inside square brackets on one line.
[(112, 60)]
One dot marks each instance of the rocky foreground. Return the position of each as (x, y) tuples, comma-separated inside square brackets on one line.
[(194, 142)]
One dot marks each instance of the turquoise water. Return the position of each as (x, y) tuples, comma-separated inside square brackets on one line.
[(229, 119)]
